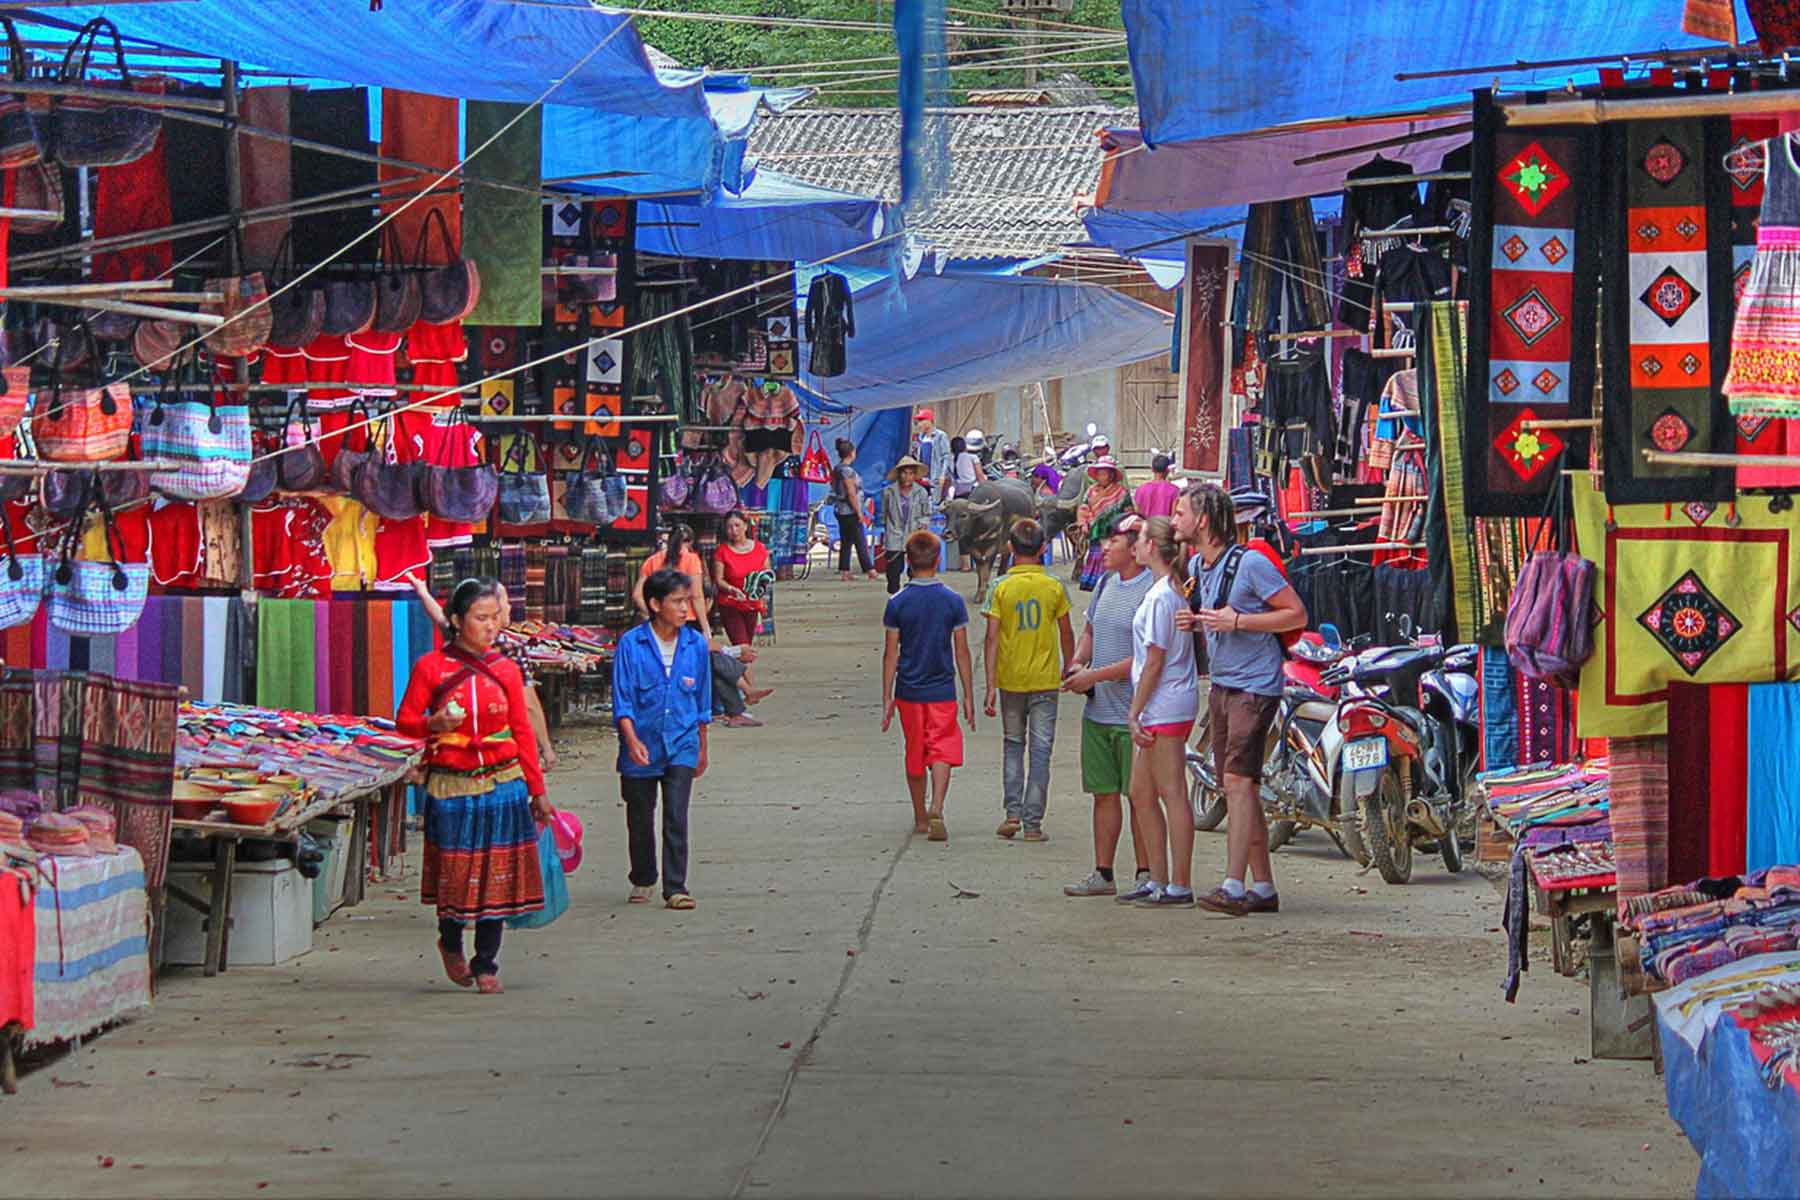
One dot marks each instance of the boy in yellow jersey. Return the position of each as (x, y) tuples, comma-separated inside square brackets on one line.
[(1028, 641)]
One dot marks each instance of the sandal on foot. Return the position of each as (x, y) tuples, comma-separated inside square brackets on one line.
[(1008, 828), (457, 968), (488, 985), (681, 901), (641, 895), (935, 831)]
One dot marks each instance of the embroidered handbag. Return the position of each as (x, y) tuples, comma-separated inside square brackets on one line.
[(301, 465), (461, 492), (246, 312), (83, 425), (717, 494), (71, 346), (815, 466), (1547, 634), (347, 462), (386, 487), (12, 403), (678, 489), (296, 314), (87, 132), (264, 475), (210, 440), (20, 142), (154, 343), (524, 495), (21, 583), (447, 293), (397, 295), (94, 599)]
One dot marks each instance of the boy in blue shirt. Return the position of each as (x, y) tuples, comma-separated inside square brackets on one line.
[(927, 651), (662, 702)]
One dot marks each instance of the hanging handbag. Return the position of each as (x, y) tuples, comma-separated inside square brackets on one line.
[(296, 314), (387, 487), (264, 475), (154, 343), (71, 345), (397, 296), (38, 188), (12, 403), (587, 497), (349, 306), (678, 489), (717, 494), (347, 462), (96, 599), (815, 466), (64, 492), (21, 145), (301, 464), (524, 495), (464, 494), (86, 132), (245, 309), (210, 440), (447, 293), (21, 582), (83, 425)]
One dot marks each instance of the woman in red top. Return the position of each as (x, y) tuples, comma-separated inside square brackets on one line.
[(484, 786), (742, 577)]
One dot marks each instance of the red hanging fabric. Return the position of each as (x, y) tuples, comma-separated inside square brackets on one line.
[(426, 130)]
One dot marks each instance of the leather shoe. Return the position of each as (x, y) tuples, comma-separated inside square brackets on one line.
[(1220, 901)]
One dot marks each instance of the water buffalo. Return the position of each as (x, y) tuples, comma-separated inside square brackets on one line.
[(981, 521), (1057, 513)]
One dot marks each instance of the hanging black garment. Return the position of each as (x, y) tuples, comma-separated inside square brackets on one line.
[(1297, 401), (1413, 274), (1402, 592), (337, 117), (1379, 206), (830, 318)]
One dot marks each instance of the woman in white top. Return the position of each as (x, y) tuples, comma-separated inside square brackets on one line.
[(1165, 699)]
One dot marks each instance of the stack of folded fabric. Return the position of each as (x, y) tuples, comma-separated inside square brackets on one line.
[(59, 833), (337, 756), (101, 826), (12, 829), (1710, 923)]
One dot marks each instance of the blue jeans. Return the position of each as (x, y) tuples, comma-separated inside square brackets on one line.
[(1027, 715)]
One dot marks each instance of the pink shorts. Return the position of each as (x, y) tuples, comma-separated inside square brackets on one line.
[(932, 734), (1177, 729)]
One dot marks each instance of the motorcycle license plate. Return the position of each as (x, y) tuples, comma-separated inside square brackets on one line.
[(1366, 754)]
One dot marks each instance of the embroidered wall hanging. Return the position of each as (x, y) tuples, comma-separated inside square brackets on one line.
[(1742, 167), (1203, 364), (1688, 597), (1534, 271), (1667, 276)]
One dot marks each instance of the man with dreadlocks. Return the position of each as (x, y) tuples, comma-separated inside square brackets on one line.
[(1242, 603)]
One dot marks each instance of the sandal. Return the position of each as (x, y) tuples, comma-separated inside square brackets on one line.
[(488, 985), (681, 901), (457, 968), (935, 829), (640, 895)]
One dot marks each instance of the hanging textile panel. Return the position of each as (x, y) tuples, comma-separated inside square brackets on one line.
[(419, 128), (1742, 168), (267, 167), (1772, 798), (1683, 597), (1534, 272), (1449, 537), (195, 642), (338, 117), (503, 228), (1668, 267), (1639, 799), (350, 657), (1708, 778), (93, 961), (1202, 367)]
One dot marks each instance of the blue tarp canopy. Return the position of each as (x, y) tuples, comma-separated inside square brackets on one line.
[(934, 337), (1203, 68), (774, 217)]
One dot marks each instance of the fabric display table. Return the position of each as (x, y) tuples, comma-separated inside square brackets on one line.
[(1694, 928), (1729, 1038), (349, 765), (561, 649), (1557, 820)]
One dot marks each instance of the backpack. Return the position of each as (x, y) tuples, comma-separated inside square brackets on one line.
[(1548, 634), (1292, 637)]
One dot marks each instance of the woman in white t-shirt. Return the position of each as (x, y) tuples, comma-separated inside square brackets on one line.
[(1165, 699)]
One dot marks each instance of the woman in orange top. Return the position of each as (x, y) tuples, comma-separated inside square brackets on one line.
[(677, 552), (484, 786)]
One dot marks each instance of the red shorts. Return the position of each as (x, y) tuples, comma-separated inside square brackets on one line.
[(1175, 729), (932, 734)]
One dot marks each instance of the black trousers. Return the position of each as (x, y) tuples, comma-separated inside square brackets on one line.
[(487, 943), (896, 567), (677, 784), (851, 533)]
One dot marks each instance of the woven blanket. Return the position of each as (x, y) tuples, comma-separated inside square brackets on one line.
[(93, 964), (1668, 232), (1640, 813), (1686, 595), (1533, 275)]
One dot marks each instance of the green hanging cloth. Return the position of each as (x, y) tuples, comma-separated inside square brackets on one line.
[(503, 229)]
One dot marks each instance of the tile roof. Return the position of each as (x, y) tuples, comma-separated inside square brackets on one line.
[(1014, 172)]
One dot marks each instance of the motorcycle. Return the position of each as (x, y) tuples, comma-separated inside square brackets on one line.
[(1406, 752)]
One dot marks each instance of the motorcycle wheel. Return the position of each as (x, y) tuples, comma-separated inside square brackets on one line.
[(1281, 833), (1350, 845), (1390, 847), (1207, 802), (1451, 848)]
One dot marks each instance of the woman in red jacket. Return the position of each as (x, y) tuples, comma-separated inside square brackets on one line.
[(483, 785)]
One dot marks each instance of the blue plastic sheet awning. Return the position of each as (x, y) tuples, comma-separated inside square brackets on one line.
[(935, 337), (1203, 68), (774, 217)]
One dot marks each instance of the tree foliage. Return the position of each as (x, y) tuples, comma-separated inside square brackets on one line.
[(854, 67)]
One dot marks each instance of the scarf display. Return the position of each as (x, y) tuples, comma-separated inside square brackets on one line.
[(1640, 813), (1449, 541), (503, 229), (1670, 208), (1708, 784), (339, 656), (1684, 594), (196, 642), (1534, 271)]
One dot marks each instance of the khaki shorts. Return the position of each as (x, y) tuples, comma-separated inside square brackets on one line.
[(1240, 730)]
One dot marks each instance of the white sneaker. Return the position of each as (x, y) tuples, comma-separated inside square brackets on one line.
[(1095, 884)]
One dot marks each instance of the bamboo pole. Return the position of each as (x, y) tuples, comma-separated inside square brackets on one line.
[(1661, 54), (1362, 546), (1561, 423), (32, 466), (1703, 458), (119, 96), (1595, 112)]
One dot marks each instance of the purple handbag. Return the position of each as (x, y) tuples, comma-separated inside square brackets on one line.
[(463, 494), (301, 466), (718, 495), (1548, 636), (344, 467), (387, 488)]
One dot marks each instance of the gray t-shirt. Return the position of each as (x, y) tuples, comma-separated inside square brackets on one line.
[(1246, 662), (1109, 615)]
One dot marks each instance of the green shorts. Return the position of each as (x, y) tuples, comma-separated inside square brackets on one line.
[(1105, 758)]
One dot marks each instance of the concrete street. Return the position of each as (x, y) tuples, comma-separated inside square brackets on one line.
[(834, 1020)]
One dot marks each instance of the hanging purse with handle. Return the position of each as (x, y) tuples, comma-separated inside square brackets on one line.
[(459, 491), (210, 440), (95, 599), (585, 496), (82, 424), (88, 132), (64, 492), (397, 291), (297, 314), (815, 466), (349, 306), (39, 188), (387, 487), (264, 475), (447, 293), (301, 466), (716, 494), (245, 308), (155, 343), (677, 491), (21, 582), (347, 462), (524, 495), (16, 397), (21, 143)]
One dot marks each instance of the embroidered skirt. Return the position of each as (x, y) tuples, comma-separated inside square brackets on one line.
[(481, 855), (1764, 379), (1094, 566)]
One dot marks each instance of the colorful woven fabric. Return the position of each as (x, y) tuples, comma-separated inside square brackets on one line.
[(1743, 168), (481, 858), (1672, 213), (1546, 722), (1764, 379), (349, 655), (93, 963), (1534, 265), (1499, 713), (1707, 760), (1706, 602), (1640, 813), (1444, 390)]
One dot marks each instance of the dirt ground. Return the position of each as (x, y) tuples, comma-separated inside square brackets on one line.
[(834, 1020)]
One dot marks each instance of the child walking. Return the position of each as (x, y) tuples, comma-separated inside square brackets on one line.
[(927, 652), (1029, 639)]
